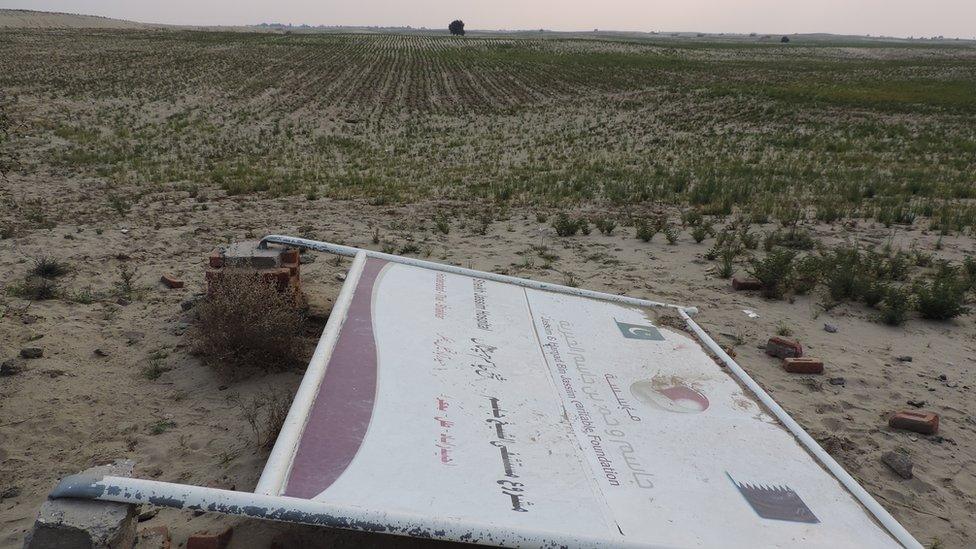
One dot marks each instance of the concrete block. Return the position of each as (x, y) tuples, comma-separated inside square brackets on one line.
[(86, 524), (247, 254)]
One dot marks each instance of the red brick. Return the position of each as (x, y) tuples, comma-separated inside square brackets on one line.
[(290, 255), (803, 365), (281, 277), (740, 284), (156, 537), (293, 267), (207, 540), (780, 347), (926, 423), (171, 281)]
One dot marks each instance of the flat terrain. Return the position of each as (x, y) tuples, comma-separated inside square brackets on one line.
[(137, 151)]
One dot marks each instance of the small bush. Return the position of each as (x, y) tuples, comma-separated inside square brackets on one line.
[(645, 230), (844, 274), (727, 255), (49, 268), (567, 226), (873, 292), (692, 217), (125, 286), (750, 241), (35, 288), (119, 204), (943, 297), (584, 227), (896, 266), (774, 272), (699, 233), (605, 225), (248, 322), (969, 271), (795, 239), (671, 234), (895, 307), (442, 224), (265, 414), (408, 249), (807, 273)]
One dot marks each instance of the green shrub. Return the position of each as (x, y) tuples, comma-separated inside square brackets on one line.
[(692, 217), (645, 230), (750, 241), (943, 297), (969, 271), (873, 292), (442, 224), (807, 273), (699, 233), (35, 288), (671, 234), (605, 225), (895, 306), (795, 239), (49, 268), (727, 265), (567, 226), (774, 271), (844, 276)]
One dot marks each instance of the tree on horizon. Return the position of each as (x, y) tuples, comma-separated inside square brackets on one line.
[(456, 27)]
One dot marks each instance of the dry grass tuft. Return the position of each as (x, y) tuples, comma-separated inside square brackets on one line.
[(247, 323), (265, 414)]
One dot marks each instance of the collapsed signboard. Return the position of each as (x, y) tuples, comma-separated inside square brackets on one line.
[(454, 404), (529, 417)]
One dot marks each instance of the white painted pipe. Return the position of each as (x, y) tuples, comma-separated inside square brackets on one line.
[(879, 512), (321, 513), (350, 251), (273, 477)]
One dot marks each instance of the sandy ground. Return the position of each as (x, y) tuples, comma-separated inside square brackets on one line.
[(74, 408), (27, 19)]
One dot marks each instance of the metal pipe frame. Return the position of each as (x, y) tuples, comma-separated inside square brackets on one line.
[(318, 513), (266, 504), (350, 251)]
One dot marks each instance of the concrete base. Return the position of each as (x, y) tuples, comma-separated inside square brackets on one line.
[(81, 524)]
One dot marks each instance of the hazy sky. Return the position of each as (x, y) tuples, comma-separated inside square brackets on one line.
[(955, 18)]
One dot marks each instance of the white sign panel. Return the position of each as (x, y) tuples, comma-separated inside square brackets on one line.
[(492, 404)]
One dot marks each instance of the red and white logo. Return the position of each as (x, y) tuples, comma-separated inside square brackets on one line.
[(671, 396)]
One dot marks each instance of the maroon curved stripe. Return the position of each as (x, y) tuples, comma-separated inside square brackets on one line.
[(342, 409)]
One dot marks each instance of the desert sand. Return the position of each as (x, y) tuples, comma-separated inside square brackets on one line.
[(74, 407)]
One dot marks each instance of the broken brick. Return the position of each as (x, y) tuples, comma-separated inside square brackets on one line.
[(740, 284), (926, 423), (207, 540), (216, 259), (290, 255), (171, 281), (780, 347), (803, 365), (156, 537)]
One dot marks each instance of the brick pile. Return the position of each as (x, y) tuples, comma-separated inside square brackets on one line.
[(275, 264)]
